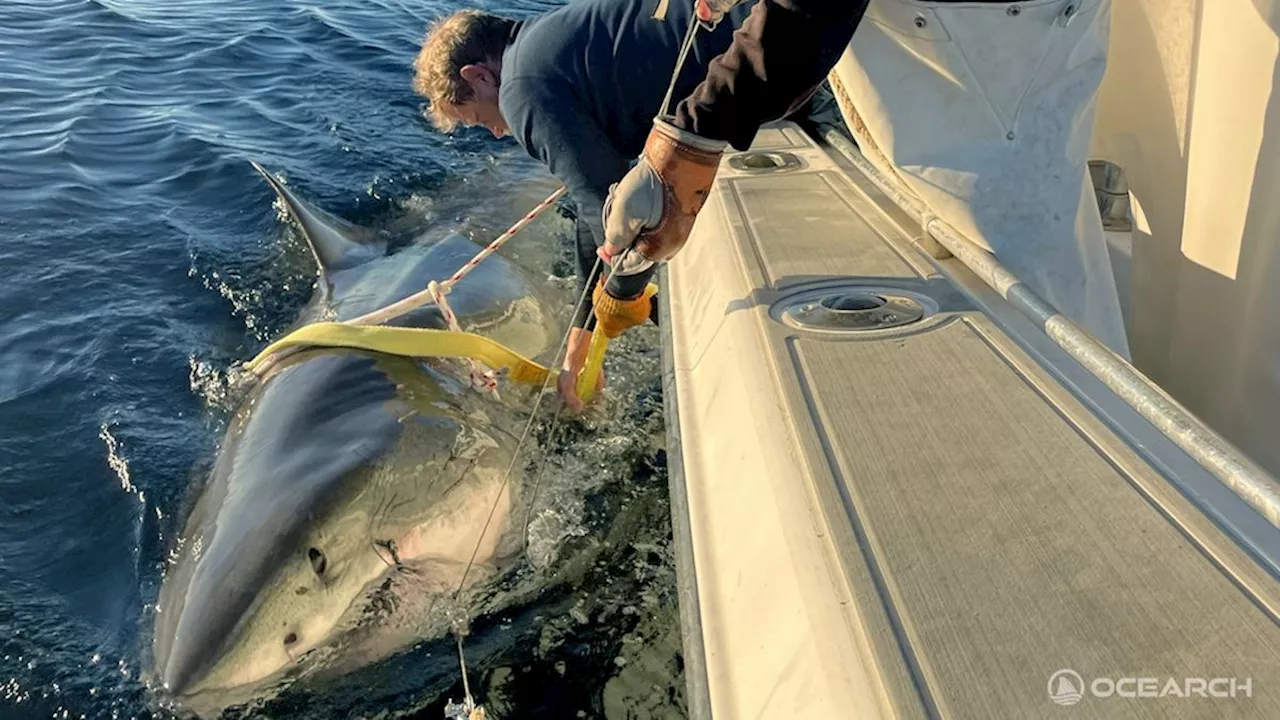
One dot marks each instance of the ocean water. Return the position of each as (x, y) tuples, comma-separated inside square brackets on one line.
[(141, 260)]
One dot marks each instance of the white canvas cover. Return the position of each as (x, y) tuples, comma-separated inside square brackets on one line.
[(1189, 109), (986, 111)]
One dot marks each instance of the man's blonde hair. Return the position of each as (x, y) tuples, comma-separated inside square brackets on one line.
[(464, 38)]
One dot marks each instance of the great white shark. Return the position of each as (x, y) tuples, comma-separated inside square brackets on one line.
[(348, 482)]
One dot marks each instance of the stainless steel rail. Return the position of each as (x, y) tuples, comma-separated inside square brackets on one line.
[(1213, 452)]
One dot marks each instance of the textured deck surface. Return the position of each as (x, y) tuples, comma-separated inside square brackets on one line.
[(919, 522)]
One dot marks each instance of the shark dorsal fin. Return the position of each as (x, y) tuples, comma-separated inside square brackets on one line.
[(336, 243)]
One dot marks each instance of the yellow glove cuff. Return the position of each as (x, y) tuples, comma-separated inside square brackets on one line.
[(614, 316)]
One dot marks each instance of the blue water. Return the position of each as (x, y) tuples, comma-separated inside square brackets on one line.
[(140, 258)]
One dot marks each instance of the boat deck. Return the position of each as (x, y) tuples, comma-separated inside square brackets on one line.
[(927, 520)]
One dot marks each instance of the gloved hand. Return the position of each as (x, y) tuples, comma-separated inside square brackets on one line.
[(712, 11), (651, 210), (614, 316)]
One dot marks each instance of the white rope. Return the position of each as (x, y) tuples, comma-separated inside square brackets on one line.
[(675, 75), (468, 709), (483, 378), (418, 299)]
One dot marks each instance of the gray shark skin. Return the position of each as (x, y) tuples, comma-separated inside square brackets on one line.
[(344, 476)]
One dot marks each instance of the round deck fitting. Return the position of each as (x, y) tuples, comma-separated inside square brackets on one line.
[(853, 310), (761, 162)]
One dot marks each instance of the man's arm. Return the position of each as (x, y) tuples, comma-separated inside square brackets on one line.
[(554, 127), (776, 60), (778, 57)]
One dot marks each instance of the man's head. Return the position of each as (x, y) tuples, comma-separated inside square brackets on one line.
[(459, 69)]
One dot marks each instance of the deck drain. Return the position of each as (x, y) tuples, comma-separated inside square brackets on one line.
[(853, 311), (762, 162)]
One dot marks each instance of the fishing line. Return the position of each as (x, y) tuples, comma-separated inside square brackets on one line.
[(555, 422), (470, 706), (469, 702)]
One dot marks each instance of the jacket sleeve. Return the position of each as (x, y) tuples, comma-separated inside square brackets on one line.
[(777, 59), (547, 119)]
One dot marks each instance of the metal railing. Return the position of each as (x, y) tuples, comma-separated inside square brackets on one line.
[(1212, 451)]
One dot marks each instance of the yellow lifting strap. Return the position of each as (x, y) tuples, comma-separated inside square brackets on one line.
[(409, 342)]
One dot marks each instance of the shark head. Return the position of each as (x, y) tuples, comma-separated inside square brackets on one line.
[(338, 471), (331, 480)]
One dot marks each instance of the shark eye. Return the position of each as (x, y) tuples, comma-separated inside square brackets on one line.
[(291, 638), (318, 562)]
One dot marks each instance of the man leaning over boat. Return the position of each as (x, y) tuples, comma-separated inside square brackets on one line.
[(578, 88)]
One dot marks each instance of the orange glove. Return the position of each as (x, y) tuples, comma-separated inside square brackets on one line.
[(614, 316)]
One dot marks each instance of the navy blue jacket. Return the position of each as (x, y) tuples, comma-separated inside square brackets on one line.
[(778, 57), (580, 87)]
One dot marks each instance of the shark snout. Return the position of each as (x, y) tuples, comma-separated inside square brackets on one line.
[(182, 669), (195, 626), (212, 659)]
